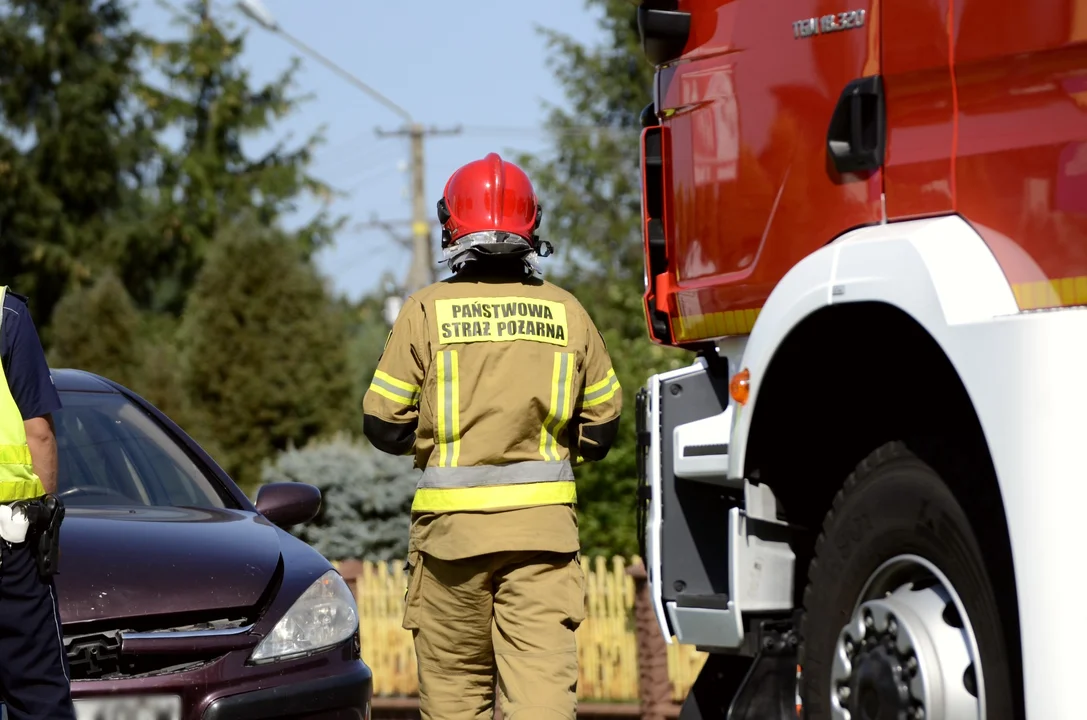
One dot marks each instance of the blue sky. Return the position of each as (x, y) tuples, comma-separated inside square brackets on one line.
[(480, 64)]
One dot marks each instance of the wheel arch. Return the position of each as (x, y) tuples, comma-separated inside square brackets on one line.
[(851, 350), (828, 411)]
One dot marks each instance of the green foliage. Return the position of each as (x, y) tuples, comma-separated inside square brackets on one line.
[(368, 335), (592, 198), (160, 377), (208, 181), (265, 364), (70, 143), (98, 329), (366, 506)]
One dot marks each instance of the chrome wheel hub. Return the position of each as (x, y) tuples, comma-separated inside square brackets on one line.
[(909, 651)]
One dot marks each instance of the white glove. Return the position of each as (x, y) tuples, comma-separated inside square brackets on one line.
[(13, 525)]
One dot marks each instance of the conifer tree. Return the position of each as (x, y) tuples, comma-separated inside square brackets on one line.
[(265, 361), (366, 497), (71, 141), (98, 329), (208, 181)]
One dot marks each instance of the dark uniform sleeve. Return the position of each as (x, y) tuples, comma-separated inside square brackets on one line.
[(391, 406), (27, 372), (600, 401)]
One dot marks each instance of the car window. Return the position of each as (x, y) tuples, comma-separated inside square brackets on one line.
[(110, 452)]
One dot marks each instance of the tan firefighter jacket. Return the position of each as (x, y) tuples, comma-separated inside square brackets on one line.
[(496, 384)]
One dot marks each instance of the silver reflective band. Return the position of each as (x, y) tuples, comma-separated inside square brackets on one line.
[(405, 395), (530, 471), (559, 414), (613, 383)]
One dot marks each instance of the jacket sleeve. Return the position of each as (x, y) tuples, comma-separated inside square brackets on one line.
[(391, 405), (600, 401)]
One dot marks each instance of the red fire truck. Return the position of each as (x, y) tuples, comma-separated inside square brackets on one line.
[(866, 498)]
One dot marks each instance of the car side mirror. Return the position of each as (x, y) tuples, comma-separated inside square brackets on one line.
[(288, 503)]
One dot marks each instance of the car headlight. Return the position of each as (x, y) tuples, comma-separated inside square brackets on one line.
[(325, 615)]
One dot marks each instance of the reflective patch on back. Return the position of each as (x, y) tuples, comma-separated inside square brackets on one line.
[(559, 410), (500, 319), (447, 437)]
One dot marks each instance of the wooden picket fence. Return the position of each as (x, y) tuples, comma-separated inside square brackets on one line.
[(607, 647)]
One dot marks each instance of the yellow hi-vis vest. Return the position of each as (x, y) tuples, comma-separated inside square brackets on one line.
[(17, 478)]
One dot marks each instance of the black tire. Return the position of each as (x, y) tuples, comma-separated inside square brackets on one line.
[(895, 504)]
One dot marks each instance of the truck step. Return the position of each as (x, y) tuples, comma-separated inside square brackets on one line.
[(701, 448), (717, 601)]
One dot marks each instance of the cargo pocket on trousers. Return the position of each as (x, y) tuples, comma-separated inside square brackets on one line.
[(412, 595), (579, 599)]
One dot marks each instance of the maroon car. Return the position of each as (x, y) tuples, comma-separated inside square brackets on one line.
[(179, 598)]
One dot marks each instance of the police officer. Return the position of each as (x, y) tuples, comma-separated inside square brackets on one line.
[(34, 680), (497, 381)]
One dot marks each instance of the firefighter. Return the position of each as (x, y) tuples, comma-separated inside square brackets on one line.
[(497, 382), (34, 678)]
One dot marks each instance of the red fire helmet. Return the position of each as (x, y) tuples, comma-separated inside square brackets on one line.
[(491, 194)]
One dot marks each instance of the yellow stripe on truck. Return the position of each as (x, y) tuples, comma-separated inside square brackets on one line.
[(1055, 293), (712, 325), (1059, 292)]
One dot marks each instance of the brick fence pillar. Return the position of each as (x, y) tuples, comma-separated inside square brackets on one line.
[(654, 685), (351, 570)]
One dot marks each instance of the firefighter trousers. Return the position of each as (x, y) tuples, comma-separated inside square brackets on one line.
[(508, 616)]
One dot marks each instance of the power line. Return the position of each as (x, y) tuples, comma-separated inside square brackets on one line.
[(544, 130), (384, 172), (421, 271), (360, 162), (340, 147)]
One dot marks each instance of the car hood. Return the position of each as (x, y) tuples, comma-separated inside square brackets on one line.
[(138, 562)]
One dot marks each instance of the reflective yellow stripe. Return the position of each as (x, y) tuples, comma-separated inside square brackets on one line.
[(602, 384), (455, 412), (489, 498), (15, 455), (447, 437), (406, 387), (392, 395), (602, 398), (398, 391), (545, 435), (559, 411), (601, 392)]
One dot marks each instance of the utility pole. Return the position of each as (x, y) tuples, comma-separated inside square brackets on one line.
[(421, 271)]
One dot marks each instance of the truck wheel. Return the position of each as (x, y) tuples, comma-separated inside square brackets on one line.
[(900, 619)]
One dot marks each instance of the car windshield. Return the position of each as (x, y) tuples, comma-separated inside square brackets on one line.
[(111, 452)]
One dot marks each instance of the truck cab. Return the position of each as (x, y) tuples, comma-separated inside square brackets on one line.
[(869, 221)]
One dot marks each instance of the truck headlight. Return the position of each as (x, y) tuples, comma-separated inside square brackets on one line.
[(325, 615)]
